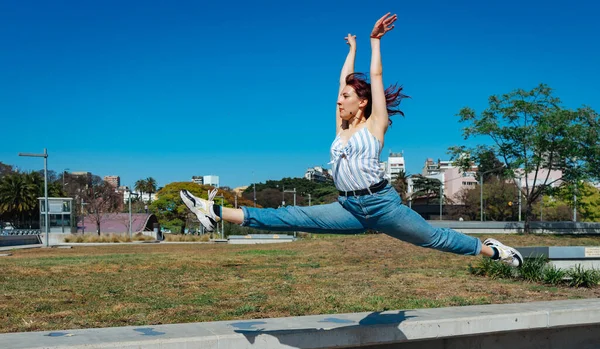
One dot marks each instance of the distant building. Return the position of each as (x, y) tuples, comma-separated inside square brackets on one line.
[(115, 181), (318, 174), (206, 180), (395, 165), (145, 197), (239, 190), (453, 178), (85, 177), (211, 180), (198, 179)]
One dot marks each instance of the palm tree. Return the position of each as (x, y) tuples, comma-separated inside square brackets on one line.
[(401, 185), (150, 187), (140, 186), (19, 195)]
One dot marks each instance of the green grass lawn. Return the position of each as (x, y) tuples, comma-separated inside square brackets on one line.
[(118, 285)]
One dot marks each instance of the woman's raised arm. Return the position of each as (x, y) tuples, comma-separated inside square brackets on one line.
[(379, 114), (347, 69)]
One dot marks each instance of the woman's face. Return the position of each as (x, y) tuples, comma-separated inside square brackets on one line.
[(349, 103)]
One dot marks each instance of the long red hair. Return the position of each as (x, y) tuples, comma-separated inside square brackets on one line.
[(393, 94)]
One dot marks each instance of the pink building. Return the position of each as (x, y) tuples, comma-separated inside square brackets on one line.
[(454, 180)]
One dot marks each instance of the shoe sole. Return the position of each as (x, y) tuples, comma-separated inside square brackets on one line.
[(492, 242), (190, 202)]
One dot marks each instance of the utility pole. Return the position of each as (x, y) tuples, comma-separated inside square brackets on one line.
[(46, 208), (520, 194), (575, 203), (441, 197), (289, 191)]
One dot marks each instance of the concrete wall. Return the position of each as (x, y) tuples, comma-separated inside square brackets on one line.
[(474, 227), (556, 325), (18, 240)]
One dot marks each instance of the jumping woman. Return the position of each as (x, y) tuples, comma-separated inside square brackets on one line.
[(366, 199)]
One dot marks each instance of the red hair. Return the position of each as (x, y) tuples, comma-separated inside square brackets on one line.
[(393, 94)]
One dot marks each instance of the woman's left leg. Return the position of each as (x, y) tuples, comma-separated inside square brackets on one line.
[(385, 212), (388, 215)]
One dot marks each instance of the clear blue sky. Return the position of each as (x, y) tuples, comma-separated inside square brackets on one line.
[(181, 88)]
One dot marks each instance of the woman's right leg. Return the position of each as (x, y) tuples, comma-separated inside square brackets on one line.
[(331, 218)]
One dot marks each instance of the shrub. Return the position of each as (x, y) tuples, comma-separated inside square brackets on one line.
[(553, 275), (493, 269), (580, 277), (533, 268)]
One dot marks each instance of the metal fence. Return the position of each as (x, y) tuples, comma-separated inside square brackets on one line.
[(16, 232)]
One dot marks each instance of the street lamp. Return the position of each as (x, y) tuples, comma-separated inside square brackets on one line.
[(130, 220), (283, 203), (441, 197), (222, 221), (63, 177), (254, 185), (481, 189), (45, 156)]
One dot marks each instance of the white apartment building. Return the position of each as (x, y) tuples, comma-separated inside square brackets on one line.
[(206, 180), (211, 180), (394, 165), (145, 197), (318, 174)]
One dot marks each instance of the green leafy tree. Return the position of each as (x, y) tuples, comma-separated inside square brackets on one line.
[(588, 200), (491, 166), (531, 132), (426, 188), (269, 194), (553, 208)]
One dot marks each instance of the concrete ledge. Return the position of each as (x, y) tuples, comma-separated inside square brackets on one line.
[(566, 257), (425, 328), (260, 238), (17, 240), (474, 227)]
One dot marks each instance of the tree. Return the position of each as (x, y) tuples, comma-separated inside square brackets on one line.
[(491, 166), (19, 194), (172, 212), (5, 169), (401, 185), (531, 132), (588, 200), (150, 187), (140, 186), (426, 188), (101, 199)]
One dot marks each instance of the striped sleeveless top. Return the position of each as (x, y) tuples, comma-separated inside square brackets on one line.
[(355, 165)]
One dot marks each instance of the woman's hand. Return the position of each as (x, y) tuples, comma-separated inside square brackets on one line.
[(351, 41), (383, 25)]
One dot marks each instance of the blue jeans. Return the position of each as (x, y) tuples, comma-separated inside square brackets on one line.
[(382, 211)]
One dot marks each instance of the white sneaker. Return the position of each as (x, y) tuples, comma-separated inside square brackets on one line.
[(508, 255), (202, 208)]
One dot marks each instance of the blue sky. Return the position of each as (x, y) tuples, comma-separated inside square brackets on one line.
[(246, 90)]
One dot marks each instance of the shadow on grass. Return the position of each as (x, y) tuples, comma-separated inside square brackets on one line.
[(338, 327)]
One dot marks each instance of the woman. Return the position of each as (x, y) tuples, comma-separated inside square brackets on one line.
[(367, 200)]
